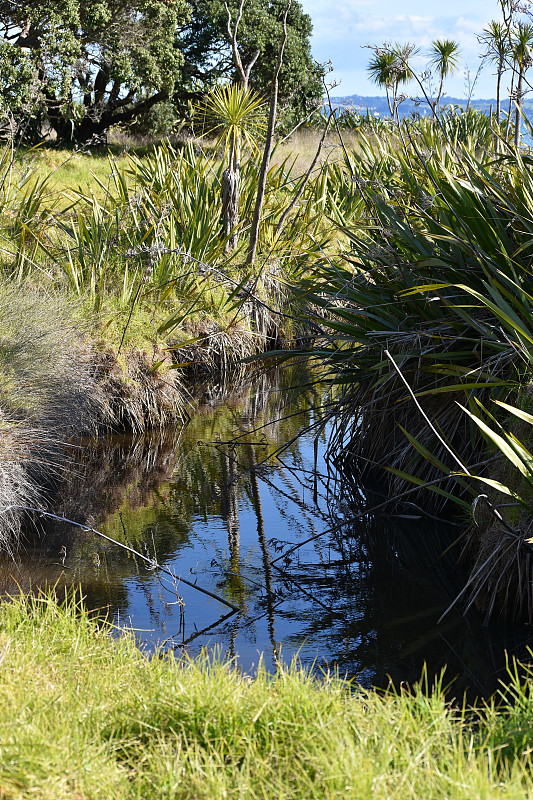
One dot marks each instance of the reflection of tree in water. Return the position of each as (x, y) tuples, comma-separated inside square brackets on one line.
[(127, 483), (234, 586), (270, 595)]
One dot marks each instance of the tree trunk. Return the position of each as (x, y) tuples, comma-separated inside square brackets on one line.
[(441, 86), (230, 205), (231, 179), (498, 92), (389, 101), (254, 232), (498, 107), (93, 128), (509, 114)]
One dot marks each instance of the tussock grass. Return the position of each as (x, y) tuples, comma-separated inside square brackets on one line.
[(48, 392), (41, 378), (85, 715), (56, 384)]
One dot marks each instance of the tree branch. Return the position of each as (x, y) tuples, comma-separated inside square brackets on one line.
[(254, 232), (307, 175), (244, 72)]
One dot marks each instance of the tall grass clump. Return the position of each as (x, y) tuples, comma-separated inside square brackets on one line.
[(161, 728), (150, 244), (111, 297), (48, 392)]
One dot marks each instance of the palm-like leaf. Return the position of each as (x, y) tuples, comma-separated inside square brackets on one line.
[(230, 113), (444, 57)]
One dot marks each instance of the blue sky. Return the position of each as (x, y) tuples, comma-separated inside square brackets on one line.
[(341, 28)]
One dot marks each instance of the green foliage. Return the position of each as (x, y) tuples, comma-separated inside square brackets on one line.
[(205, 45), (522, 43), (233, 115), (18, 81), (99, 63), (389, 68), (161, 120), (444, 57), (145, 245), (439, 272)]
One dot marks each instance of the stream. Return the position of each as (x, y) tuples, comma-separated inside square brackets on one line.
[(218, 504)]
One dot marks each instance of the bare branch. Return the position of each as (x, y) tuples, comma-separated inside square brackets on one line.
[(307, 175), (254, 232), (243, 71), (152, 562)]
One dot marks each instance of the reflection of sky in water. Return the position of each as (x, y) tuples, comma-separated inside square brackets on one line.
[(367, 602), (227, 556)]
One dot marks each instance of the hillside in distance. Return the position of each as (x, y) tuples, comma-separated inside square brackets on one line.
[(378, 105)]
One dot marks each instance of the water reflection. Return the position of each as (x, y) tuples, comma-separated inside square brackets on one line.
[(214, 504)]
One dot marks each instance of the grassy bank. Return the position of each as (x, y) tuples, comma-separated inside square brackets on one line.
[(118, 294), (87, 716)]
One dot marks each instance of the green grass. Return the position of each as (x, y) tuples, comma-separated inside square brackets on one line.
[(70, 171), (88, 716)]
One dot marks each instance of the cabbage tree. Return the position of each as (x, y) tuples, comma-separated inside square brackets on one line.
[(388, 68), (444, 57), (236, 117), (522, 45)]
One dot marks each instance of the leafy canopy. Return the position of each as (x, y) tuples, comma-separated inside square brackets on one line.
[(87, 64), (205, 44)]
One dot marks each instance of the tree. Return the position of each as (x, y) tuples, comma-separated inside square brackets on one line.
[(98, 62), (496, 37), (267, 149), (234, 115), (208, 58), (388, 68), (19, 88), (380, 69), (522, 44), (444, 57)]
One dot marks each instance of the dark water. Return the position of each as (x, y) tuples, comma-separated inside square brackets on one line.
[(216, 505)]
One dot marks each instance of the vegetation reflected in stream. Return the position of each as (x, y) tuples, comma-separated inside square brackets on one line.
[(215, 504)]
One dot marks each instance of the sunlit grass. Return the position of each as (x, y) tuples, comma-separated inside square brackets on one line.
[(85, 715), (70, 172), (303, 144)]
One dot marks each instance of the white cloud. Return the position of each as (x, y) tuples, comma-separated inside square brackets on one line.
[(342, 29)]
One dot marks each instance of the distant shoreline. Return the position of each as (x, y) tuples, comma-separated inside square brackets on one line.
[(378, 105)]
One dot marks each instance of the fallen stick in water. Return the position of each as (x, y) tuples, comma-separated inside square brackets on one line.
[(154, 564)]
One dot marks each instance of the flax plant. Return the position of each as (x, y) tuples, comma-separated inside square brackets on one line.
[(431, 305), (439, 273), (236, 117)]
